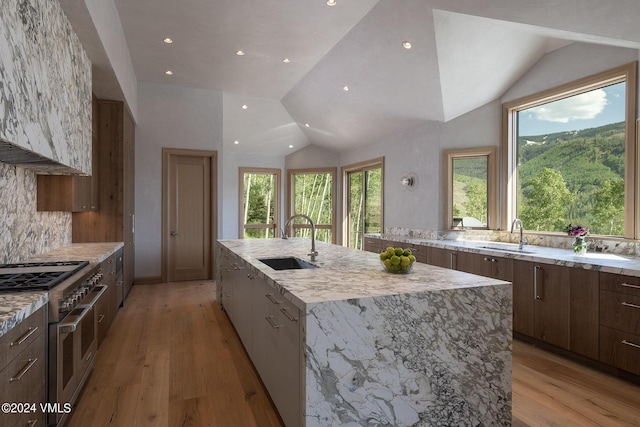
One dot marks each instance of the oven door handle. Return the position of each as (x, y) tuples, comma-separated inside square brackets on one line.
[(65, 328), (97, 296)]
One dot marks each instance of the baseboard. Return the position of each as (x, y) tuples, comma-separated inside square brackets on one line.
[(147, 280)]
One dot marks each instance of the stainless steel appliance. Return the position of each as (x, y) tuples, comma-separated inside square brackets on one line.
[(74, 287)]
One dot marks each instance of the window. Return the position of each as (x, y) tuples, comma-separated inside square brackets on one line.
[(312, 192), (470, 188), (259, 202), (363, 185), (570, 156)]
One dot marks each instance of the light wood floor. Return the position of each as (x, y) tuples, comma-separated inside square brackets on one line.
[(172, 358)]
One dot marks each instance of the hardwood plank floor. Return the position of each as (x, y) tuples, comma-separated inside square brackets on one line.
[(172, 358)]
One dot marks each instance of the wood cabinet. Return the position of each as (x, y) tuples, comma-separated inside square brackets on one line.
[(620, 321), (73, 193), (583, 312), (446, 258), (23, 361), (375, 245), (372, 244), (114, 220), (486, 265)]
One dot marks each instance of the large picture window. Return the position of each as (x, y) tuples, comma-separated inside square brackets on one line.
[(312, 192), (259, 202), (570, 156)]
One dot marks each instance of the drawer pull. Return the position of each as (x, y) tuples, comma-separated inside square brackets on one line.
[(288, 315), (271, 298), (627, 285), (628, 304), (272, 323), (100, 319), (24, 370), (629, 343), (25, 337), (31, 423)]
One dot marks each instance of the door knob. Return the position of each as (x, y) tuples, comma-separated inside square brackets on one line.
[(175, 233)]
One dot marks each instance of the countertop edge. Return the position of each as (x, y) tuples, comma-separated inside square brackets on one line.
[(31, 302)]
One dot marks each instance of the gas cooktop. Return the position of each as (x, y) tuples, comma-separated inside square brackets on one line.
[(37, 276)]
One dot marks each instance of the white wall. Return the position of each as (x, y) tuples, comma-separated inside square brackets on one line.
[(173, 117)]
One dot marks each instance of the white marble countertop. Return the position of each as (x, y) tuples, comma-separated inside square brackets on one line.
[(343, 273), (599, 261), (15, 307)]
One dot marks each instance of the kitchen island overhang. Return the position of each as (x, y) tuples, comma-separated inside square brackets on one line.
[(432, 347)]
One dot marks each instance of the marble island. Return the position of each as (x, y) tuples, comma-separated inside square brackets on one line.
[(432, 347)]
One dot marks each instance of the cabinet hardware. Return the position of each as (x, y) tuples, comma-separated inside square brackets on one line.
[(100, 319), (24, 370), (628, 304), (31, 423), (271, 298), (289, 316), (535, 281), (272, 323), (629, 343), (494, 260), (486, 258), (250, 276), (628, 285), (174, 233), (25, 337)]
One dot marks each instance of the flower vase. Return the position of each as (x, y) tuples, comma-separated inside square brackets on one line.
[(579, 245)]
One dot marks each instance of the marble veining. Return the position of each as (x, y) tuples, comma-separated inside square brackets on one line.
[(600, 261), (92, 252), (16, 307), (25, 232), (45, 84), (429, 348)]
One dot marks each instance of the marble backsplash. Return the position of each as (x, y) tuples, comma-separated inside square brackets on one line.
[(595, 244), (25, 232)]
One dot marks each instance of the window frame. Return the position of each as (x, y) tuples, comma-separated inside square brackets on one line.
[(363, 166), (627, 73), (276, 203), (334, 198), (463, 153)]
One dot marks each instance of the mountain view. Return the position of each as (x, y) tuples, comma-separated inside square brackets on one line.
[(573, 177)]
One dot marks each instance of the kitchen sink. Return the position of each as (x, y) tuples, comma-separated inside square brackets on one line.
[(286, 263), (505, 249)]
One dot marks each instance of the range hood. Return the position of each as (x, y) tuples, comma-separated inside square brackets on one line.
[(18, 156)]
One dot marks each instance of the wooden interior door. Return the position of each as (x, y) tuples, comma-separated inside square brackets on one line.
[(188, 215)]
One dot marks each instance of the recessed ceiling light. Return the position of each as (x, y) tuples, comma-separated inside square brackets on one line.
[(286, 60), (307, 125), (245, 106), (239, 52), (168, 40), (406, 44), (236, 142), (290, 146), (331, 2), (345, 88), (169, 73)]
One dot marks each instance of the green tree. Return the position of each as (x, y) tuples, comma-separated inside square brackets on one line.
[(476, 204), (609, 208), (545, 201)]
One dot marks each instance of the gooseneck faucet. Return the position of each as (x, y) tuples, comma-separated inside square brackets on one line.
[(313, 253), (522, 242)]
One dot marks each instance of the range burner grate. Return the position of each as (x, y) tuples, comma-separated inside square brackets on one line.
[(37, 276)]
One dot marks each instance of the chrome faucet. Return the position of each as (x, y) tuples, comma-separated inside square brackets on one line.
[(313, 253), (522, 242)]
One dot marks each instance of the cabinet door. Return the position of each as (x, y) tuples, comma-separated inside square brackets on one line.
[(372, 244), (442, 257), (523, 297), (583, 312), (551, 284), (475, 263)]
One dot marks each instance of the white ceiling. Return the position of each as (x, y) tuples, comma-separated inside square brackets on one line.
[(459, 61)]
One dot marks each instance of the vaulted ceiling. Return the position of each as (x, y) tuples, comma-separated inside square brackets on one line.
[(463, 55)]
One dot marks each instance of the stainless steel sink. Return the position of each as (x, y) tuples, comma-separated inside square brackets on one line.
[(504, 249), (286, 263)]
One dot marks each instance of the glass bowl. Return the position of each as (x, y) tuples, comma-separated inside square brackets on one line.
[(397, 269)]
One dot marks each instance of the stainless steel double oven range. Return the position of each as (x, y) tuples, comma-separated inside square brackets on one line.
[(74, 287)]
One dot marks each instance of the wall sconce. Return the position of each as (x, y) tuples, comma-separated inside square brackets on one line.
[(409, 181)]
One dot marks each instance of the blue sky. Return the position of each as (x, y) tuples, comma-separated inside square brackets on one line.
[(588, 110)]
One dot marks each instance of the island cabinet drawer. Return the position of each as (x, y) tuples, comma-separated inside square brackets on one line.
[(620, 283), (23, 334), (23, 379), (372, 244), (620, 349), (620, 311)]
